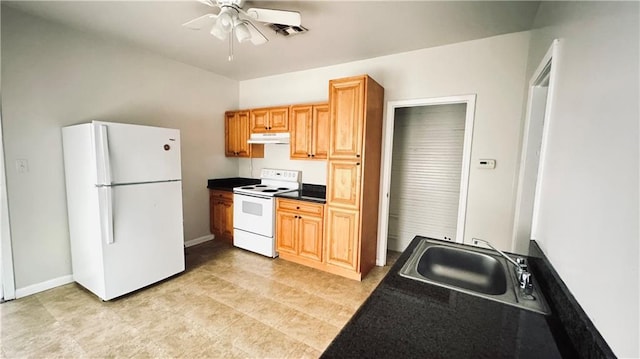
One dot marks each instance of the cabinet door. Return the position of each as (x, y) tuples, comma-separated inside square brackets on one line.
[(259, 120), (346, 99), (286, 232), (226, 207), (342, 235), (242, 147), (230, 134), (310, 237), (320, 132), (301, 121), (279, 119), (343, 188), (236, 134), (218, 219), (212, 203)]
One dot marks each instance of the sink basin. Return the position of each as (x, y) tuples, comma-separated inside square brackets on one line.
[(476, 271), (465, 269)]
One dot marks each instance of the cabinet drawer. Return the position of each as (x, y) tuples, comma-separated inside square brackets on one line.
[(300, 207), (227, 195)]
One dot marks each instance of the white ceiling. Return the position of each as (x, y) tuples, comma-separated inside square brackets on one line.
[(339, 31)]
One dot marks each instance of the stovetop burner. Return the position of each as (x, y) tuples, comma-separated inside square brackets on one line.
[(270, 190)]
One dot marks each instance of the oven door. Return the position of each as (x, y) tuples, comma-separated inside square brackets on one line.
[(253, 214)]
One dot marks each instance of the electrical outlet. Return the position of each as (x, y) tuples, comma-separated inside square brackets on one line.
[(22, 166)]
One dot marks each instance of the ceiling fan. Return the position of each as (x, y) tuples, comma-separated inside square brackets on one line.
[(232, 21)]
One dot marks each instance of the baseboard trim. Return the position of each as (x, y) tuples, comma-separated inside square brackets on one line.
[(42, 286), (198, 240)]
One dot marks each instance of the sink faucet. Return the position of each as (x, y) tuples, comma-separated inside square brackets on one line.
[(524, 276)]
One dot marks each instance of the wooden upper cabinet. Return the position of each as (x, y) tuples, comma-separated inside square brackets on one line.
[(320, 132), (273, 119), (309, 131), (346, 113), (301, 130), (343, 187), (259, 120), (236, 134)]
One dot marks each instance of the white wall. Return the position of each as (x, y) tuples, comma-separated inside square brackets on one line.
[(493, 68), (54, 76), (588, 223)]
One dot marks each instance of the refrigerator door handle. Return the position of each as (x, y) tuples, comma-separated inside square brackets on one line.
[(102, 154), (105, 199)]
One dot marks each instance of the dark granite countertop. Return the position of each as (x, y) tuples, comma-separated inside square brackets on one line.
[(310, 192), (404, 318), (227, 184)]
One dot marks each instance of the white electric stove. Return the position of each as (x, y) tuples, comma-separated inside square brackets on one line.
[(254, 210)]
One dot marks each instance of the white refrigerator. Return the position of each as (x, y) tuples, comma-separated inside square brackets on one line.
[(124, 200)]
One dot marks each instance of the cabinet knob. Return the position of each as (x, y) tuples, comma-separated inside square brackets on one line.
[(313, 155), (308, 155), (358, 164), (297, 207), (266, 128), (357, 155)]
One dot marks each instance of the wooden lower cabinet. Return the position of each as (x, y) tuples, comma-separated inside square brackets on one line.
[(221, 214), (342, 238), (299, 231)]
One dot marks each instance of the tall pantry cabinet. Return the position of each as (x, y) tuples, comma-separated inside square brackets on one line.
[(353, 171)]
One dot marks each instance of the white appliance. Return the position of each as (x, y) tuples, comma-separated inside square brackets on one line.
[(124, 200), (254, 217)]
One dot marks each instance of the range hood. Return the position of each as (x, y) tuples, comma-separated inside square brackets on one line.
[(275, 138)]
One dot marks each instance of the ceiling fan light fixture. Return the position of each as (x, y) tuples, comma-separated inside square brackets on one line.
[(218, 32), (225, 19), (242, 32)]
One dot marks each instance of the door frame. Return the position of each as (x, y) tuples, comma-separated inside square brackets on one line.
[(528, 193), (7, 280), (387, 150)]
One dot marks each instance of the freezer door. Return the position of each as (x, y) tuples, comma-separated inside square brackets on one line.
[(136, 154), (148, 243)]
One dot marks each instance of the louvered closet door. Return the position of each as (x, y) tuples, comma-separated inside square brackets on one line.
[(425, 174)]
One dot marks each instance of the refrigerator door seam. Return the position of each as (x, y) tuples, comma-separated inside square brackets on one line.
[(134, 183)]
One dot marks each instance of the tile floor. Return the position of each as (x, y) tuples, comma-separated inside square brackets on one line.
[(228, 303)]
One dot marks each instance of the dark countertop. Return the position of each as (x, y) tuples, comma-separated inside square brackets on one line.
[(227, 184), (310, 192), (404, 318)]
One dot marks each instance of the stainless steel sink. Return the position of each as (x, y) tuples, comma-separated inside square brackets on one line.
[(465, 269), (476, 271)]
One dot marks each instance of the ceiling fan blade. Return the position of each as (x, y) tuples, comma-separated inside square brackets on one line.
[(200, 22), (284, 17), (207, 2), (257, 38)]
